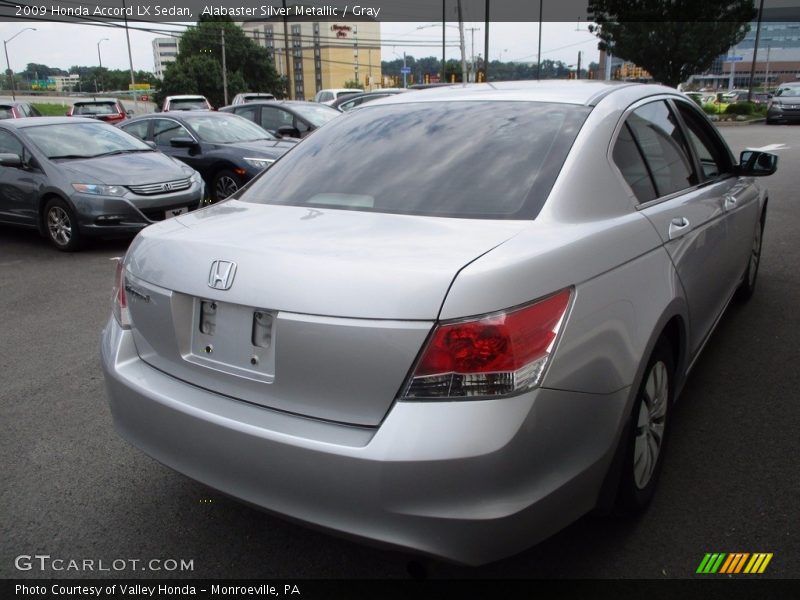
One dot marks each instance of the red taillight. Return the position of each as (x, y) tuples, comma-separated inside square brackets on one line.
[(493, 355), (120, 298)]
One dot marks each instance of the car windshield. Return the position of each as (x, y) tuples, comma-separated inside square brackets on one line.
[(792, 92), (188, 104), (316, 114), (225, 128), (490, 160), (253, 97), (100, 108), (83, 140)]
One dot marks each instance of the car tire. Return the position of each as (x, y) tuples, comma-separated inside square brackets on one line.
[(61, 226), (748, 285), (224, 184), (647, 437)]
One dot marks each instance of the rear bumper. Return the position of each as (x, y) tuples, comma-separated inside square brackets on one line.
[(470, 482)]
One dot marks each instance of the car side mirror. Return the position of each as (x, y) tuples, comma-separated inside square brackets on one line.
[(753, 163), (151, 144), (10, 160), (129, 113), (182, 142), (288, 131)]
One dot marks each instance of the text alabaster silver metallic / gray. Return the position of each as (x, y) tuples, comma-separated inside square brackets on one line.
[(318, 431)]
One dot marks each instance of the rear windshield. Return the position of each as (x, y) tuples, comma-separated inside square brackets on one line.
[(488, 160), (104, 108), (6, 112), (188, 104)]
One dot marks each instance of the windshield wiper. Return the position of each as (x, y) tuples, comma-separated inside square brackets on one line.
[(71, 156), (128, 151)]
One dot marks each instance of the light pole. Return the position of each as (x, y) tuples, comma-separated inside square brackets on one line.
[(8, 64), (100, 61)]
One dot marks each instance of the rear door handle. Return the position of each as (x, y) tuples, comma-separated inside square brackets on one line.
[(678, 227)]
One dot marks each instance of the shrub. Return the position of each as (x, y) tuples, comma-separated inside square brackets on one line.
[(741, 108), (710, 108)]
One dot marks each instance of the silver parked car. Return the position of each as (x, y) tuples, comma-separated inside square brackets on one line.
[(73, 178), (450, 339)]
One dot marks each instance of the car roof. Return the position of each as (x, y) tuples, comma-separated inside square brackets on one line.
[(39, 121), (176, 114), (288, 103), (186, 97), (581, 92)]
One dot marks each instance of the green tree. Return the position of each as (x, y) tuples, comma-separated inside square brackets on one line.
[(198, 66), (672, 39)]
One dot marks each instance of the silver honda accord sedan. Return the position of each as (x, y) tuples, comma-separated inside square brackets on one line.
[(452, 321)]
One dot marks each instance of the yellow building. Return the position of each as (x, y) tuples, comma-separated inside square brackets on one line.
[(322, 54)]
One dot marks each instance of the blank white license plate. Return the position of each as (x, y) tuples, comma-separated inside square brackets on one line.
[(174, 212)]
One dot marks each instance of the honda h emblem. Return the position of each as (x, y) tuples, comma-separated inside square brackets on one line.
[(221, 275)]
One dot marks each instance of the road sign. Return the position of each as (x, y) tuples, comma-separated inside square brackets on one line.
[(734, 58), (405, 70)]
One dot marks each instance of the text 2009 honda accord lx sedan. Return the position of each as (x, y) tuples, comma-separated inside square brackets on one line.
[(453, 321)]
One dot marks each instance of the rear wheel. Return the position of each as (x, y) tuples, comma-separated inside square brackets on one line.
[(225, 183), (649, 424), (61, 225)]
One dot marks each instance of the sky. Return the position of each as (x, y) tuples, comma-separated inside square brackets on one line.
[(63, 45)]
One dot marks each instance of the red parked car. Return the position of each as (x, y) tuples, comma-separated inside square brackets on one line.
[(18, 110), (110, 111)]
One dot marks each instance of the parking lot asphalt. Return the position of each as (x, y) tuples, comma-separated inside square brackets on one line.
[(73, 489)]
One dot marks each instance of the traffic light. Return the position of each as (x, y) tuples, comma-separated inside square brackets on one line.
[(480, 76), (427, 78), (452, 77)]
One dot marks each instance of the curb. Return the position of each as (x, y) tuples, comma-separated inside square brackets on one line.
[(739, 123)]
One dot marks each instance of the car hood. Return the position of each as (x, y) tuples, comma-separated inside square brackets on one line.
[(125, 169), (270, 148), (317, 261)]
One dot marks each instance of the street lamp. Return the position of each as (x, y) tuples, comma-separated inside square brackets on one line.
[(8, 64), (100, 61)]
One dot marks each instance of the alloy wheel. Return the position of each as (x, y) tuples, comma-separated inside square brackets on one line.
[(59, 225), (650, 424)]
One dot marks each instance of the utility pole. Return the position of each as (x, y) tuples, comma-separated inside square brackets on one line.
[(224, 69), (130, 61), (463, 50), (766, 78), (405, 75), (472, 31), (755, 52), (539, 52), (286, 48), (486, 45), (578, 74), (444, 24)]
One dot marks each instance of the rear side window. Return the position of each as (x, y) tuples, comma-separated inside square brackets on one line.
[(658, 137), (654, 132), (6, 112), (490, 160), (631, 164)]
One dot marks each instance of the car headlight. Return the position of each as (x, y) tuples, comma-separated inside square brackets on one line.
[(99, 190), (195, 177), (259, 163), (777, 106)]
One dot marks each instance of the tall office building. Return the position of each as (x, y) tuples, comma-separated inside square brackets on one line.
[(165, 51), (322, 54)]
